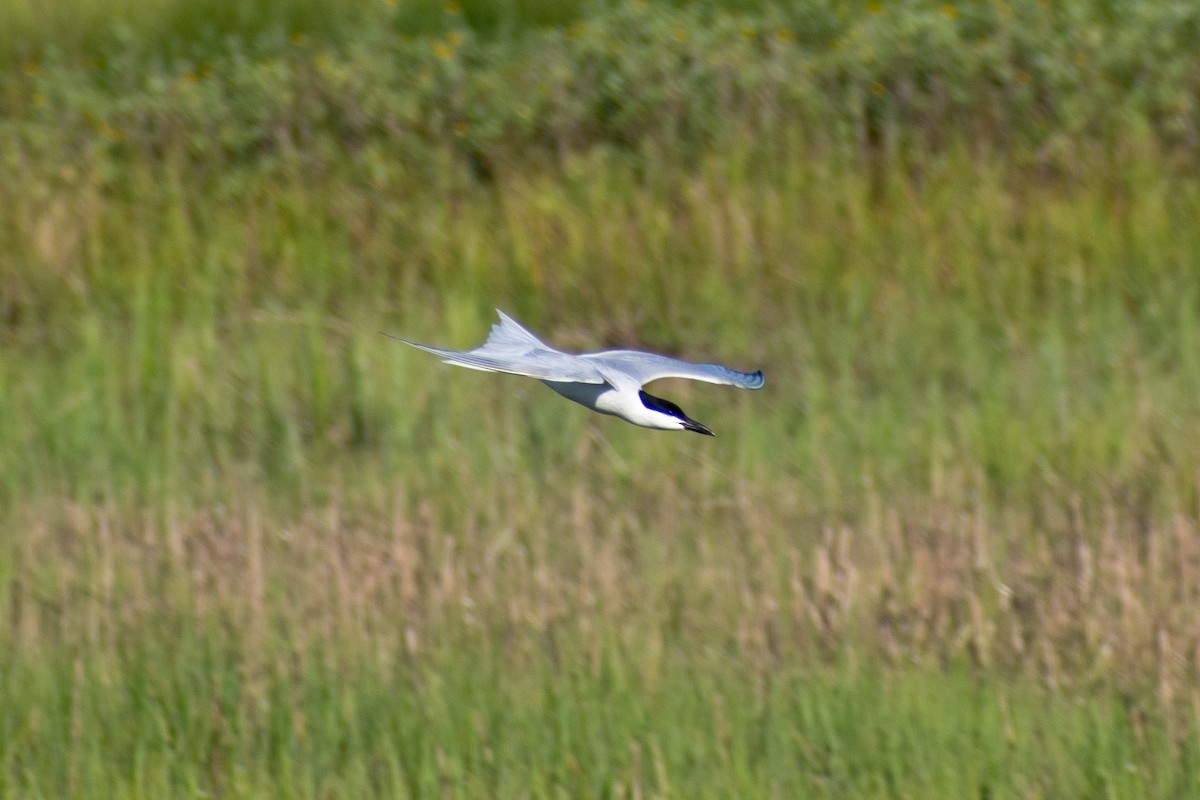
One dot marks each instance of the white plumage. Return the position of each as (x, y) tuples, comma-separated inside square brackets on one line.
[(609, 381)]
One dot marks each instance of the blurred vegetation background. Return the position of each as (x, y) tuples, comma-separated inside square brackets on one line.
[(251, 547)]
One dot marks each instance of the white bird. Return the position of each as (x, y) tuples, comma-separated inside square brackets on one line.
[(609, 381)]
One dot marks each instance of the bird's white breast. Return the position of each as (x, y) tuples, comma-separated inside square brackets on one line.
[(597, 396), (618, 402)]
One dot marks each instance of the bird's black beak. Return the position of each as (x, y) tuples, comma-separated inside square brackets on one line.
[(691, 425)]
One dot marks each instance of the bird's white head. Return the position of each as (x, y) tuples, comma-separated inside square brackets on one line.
[(666, 415)]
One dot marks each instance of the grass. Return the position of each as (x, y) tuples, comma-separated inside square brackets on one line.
[(690, 729), (170, 29), (972, 459), (429, 82), (252, 547), (1040, 334)]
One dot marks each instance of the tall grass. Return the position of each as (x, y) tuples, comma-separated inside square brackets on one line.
[(324, 727), (252, 547), (1040, 332), (82, 30), (425, 82), (973, 454)]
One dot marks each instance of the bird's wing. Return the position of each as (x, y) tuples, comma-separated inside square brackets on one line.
[(508, 334), (646, 367), (513, 349)]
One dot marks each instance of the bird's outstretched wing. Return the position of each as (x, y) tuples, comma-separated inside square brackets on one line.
[(513, 349), (646, 367)]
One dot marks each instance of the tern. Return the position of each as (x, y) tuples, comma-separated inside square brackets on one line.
[(609, 381)]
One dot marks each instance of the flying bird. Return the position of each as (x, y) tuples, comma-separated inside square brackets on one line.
[(609, 381)]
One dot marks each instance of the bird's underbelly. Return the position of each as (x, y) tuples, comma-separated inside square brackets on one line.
[(597, 396)]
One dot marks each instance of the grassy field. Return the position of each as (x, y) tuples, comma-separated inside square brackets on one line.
[(250, 547)]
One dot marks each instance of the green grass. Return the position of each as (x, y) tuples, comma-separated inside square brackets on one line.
[(513, 85), (249, 518), (1043, 334), (197, 719), (251, 547), (175, 29)]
